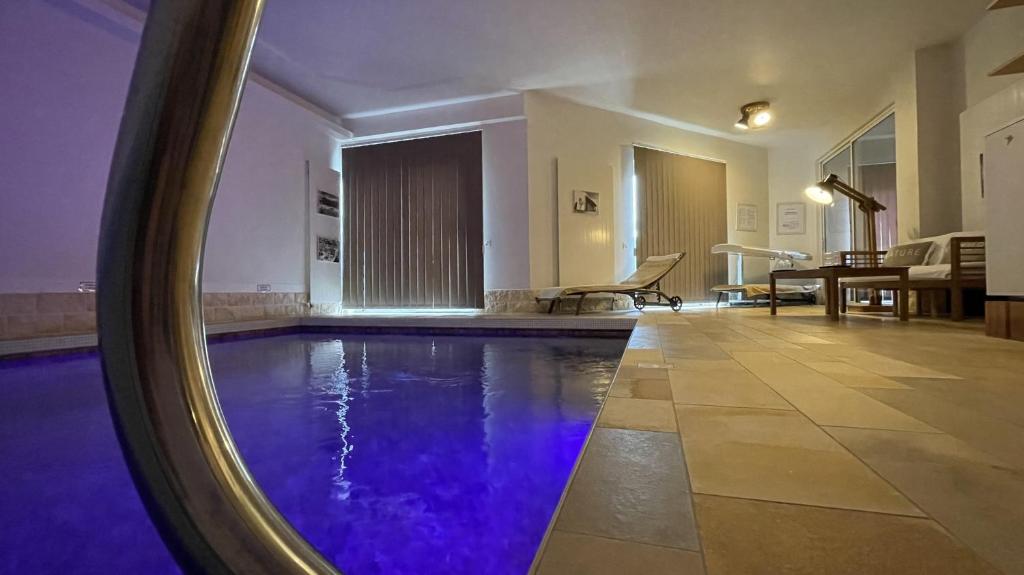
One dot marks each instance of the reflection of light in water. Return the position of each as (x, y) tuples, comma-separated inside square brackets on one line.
[(342, 390), (331, 377)]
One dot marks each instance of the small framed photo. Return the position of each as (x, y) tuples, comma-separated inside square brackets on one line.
[(791, 219), (328, 250), (746, 217), (327, 204), (584, 202)]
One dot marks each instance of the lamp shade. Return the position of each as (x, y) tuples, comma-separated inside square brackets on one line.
[(819, 194)]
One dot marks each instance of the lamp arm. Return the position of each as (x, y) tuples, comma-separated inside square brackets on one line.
[(866, 202)]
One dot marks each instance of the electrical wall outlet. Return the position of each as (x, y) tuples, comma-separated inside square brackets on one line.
[(262, 288)]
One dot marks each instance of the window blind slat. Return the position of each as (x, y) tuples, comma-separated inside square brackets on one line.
[(413, 223), (682, 207)]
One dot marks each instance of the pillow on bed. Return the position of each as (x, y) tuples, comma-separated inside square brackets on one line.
[(907, 254)]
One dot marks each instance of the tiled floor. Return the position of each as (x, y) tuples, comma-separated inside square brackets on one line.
[(733, 442)]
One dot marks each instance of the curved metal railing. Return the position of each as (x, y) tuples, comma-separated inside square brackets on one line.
[(174, 134)]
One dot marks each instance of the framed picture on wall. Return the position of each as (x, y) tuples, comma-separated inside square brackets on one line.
[(328, 250), (585, 202), (746, 218), (791, 218), (326, 204)]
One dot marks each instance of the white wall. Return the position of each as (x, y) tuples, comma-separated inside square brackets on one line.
[(504, 138), (791, 170), (992, 103), (1004, 155), (925, 92), (931, 89), (987, 116), (993, 41), (586, 242), (65, 75), (565, 131), (258, 228)]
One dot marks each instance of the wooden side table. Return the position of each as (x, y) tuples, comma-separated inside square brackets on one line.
[(831, 277)]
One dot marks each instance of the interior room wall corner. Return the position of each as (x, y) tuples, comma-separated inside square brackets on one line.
[(941, 97)]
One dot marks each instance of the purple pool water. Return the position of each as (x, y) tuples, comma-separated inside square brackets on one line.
[(391, 454)]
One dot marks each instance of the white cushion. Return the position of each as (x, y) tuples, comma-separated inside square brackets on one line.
[(939, 253)]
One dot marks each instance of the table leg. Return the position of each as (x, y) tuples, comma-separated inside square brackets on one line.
[(833, 286), (771, 293), (905, 295)]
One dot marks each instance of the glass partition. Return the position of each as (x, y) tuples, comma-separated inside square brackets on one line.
[(874, 173), (868, 163), (838, 230)]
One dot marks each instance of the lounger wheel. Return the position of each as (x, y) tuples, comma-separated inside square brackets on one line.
[(676, 302), (639, 302)]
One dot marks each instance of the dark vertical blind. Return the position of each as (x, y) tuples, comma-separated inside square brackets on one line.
[(413, 224), (682, 207)]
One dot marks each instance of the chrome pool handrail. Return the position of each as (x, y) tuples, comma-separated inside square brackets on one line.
[(182, 104)]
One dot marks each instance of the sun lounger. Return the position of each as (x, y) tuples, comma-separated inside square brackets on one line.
[(643, 283)]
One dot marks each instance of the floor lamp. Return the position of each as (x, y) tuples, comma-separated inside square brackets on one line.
[(824, 192)]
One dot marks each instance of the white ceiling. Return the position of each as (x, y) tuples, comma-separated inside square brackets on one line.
[(694, 62)]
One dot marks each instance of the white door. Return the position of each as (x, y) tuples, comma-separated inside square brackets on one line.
[(1004, 205)]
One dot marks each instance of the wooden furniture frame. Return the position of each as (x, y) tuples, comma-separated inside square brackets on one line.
[(831, 277), (962, 250)]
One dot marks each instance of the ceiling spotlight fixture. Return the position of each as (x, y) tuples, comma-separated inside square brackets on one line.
[(754, 115)]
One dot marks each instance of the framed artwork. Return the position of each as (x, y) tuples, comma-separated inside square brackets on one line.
[(326, 204), (791, 218), (585, 202), (746, 218), (328, 250)]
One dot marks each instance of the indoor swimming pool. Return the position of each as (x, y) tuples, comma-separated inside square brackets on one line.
[(391, 454)]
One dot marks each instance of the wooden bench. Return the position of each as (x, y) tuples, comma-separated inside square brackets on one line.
[(966, 272)]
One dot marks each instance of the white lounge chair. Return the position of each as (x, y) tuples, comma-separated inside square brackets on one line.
[(644, 282)]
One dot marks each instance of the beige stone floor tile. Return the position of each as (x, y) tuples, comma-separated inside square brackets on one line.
[(749, 345), (806, 356), (726, 388), (781, 456), (749, 332), (743, 537), (853, 376), (997, 398), (574, 554), (633, 372), (687, 339), (644, 414), (966, 490), (994, 436), (824, 400), (774, 343), (880, 364), (635, 356), (644, 342), (676, 319), (802, 338), (708, 365), (641, 389), (727, 336), (631, 485), (708, 351)]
